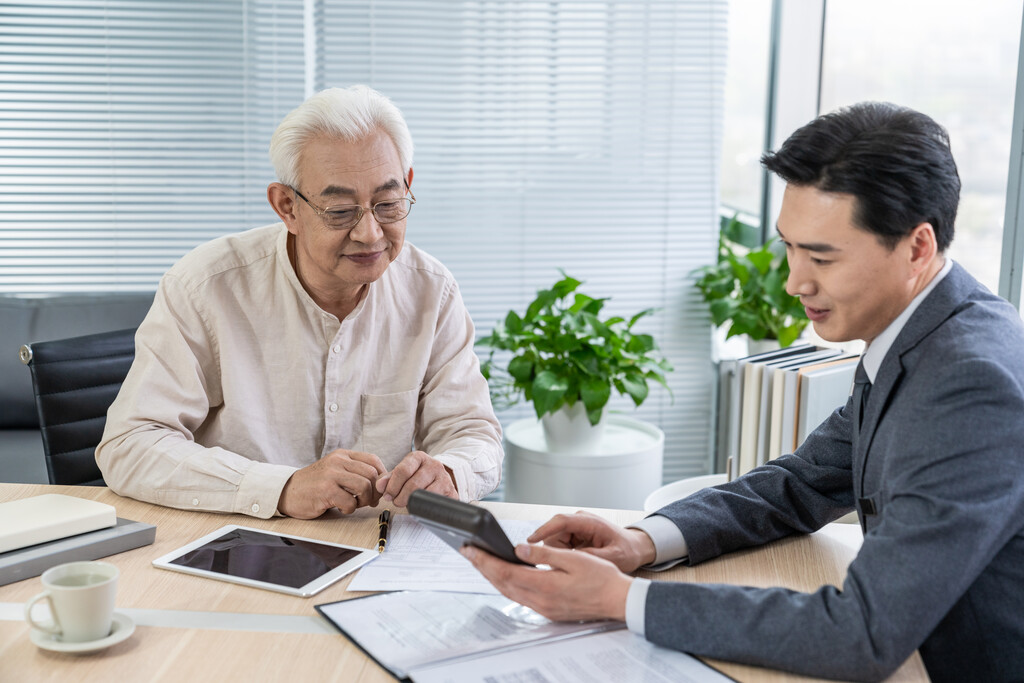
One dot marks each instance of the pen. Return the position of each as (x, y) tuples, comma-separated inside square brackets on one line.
[(382, 536)]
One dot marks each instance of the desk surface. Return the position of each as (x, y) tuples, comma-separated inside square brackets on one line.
[(196, 653)]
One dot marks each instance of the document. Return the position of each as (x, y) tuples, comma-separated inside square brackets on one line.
[(433, 636), (613, 657), (417, 560)]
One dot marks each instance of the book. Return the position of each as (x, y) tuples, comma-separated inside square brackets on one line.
[(768, 412), (24, 563), (751, 368), (782, 422), (823, 388), (724, 446), (438, 636), (38, 519)]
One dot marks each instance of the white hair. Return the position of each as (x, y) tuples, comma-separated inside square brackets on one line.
[(346, 113)]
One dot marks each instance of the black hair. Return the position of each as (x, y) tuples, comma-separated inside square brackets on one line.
[(895, 161)]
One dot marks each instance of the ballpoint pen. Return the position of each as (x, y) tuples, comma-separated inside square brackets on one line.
[(382, 536)]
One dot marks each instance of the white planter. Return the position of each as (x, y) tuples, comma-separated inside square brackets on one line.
[(762, 345), (619, 473), (568, 430)]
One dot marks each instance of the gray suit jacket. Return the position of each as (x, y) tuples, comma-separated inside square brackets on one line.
[(940, 457)]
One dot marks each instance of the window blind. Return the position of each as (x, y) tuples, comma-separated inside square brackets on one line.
[(575, 135), (131, 131)]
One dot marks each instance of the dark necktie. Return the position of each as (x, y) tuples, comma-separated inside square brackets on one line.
[(861, 389)]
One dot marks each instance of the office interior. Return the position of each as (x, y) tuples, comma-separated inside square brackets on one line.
[(606, 139)]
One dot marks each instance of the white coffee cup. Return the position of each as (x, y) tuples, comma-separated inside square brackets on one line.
[(81, 597)]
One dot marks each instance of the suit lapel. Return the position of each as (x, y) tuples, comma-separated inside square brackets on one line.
[(938, 306)]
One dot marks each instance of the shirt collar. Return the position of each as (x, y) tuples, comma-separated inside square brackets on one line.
[(876, 350)]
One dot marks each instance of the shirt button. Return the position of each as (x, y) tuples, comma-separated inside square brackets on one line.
[(333, 407), (336, 348), (255, 508), (195, 501)]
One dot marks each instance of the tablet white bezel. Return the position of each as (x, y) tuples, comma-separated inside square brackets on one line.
[(311, 588)]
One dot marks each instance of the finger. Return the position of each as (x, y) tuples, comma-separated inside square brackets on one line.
[(401, 473), (552, 528), (344, 500), (567, 531), (371, 460), (340, 465), (423, 478)]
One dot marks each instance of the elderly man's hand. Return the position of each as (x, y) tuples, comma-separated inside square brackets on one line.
[(627, 549), (416, 471), (341, 479), (577, 586)]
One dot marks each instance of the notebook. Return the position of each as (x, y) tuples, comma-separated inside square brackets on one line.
[(35, 520)]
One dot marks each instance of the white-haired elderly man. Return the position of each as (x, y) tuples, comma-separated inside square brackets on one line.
[(317, 363)]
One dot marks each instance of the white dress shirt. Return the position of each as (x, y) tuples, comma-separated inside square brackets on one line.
[(240, 378), (669, 543)]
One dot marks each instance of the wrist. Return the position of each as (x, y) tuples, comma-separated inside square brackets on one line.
[(618, 597), (644, 550)]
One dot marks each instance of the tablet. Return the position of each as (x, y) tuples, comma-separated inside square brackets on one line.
[(265, 559), (458, 524)]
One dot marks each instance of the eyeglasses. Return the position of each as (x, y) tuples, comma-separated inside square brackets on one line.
[(347, 216)]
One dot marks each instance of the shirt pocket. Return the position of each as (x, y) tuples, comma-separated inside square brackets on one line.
[(389, 422)]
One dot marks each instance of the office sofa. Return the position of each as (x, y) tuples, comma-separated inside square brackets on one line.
[(26, 319)]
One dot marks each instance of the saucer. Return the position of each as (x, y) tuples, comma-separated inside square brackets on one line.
[(120, 629)]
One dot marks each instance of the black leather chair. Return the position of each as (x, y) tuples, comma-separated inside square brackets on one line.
[(75, 381)]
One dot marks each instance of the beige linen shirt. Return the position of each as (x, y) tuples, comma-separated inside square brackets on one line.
[(240, 378)]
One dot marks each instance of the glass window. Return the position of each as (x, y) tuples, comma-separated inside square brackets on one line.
[(746, 92), (955, 62)]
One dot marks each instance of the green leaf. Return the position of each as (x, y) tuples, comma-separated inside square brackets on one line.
[(762, 260), (740, 271), (595, 393), (723, 310), (641, 314), (548, 390), (521, 367), (789, 334), (636, 387), (513, 323), (545, 298), (565, 286), (641, 343), (580, 301)]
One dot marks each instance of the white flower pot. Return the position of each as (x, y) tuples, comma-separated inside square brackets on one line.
[(619, 473), (567, 430)]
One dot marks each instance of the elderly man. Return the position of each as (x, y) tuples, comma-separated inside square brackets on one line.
[(927, 449), (315, 363)]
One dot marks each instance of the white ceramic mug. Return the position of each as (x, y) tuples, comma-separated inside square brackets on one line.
[(81, 597)]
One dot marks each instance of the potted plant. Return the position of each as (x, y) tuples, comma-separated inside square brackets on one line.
[(566, 361), (747, 289)]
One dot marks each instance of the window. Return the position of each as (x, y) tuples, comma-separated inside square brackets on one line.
[(955, 62), (575, 135), (132, 131), (746, 103)]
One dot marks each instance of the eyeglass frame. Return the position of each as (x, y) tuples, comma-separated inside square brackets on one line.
[(362, 212)]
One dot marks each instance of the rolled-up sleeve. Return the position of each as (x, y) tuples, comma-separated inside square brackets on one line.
[(456, 423)]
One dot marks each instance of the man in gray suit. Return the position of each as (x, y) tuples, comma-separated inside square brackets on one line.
[(929, 449)]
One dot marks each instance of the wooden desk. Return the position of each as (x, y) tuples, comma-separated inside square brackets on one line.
[(204, 654)]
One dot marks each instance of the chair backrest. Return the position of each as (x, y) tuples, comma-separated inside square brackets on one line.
[(75, 380)]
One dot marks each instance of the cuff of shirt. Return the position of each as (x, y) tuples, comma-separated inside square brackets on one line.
[(260, 489), (465, 482), (669, 545), (636, 605)]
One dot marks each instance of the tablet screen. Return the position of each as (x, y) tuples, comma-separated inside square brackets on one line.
[(281, 560)]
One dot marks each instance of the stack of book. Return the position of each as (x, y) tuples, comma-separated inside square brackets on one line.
[(43, 531), (769, 402)]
